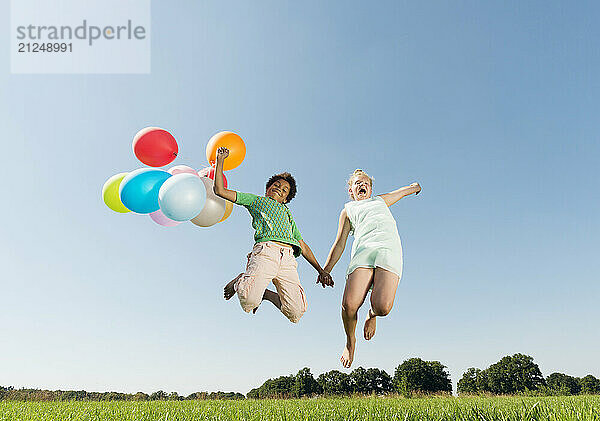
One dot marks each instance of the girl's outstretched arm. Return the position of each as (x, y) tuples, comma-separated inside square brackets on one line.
[(218, 187), (340, 242), (392, 197)]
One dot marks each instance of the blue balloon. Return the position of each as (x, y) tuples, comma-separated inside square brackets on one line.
[(139, 189), (182, 197)]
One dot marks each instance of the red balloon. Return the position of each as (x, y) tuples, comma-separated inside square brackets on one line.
[(155, 147), (210, 173)]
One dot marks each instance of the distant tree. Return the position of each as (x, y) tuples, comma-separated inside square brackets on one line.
[(280, 387), (305, 384), (158, 396), (372, 380), (141, 396), (225, 395), (563, 384), (252, 394), (115, 396), (335, 382), (198, 396), (513, 374), (379, 382), (471, 382), (68, 395), (95, 396), (4, 391), (360, 381), (174, 396), (589, 385), (416, 375)]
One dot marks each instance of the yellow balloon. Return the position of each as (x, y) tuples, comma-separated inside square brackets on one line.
[(110, 193), (228, 210)]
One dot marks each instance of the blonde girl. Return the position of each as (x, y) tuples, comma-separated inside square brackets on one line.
[(376, 262)]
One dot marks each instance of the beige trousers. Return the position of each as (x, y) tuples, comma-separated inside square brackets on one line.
[(271, 262)]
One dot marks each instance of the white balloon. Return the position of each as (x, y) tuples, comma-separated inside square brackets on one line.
[(214, 207), (182, 197)]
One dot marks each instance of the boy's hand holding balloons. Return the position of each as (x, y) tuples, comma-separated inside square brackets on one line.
[(179, 194), (222, 153)]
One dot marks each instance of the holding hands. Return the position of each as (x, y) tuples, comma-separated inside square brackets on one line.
[(325, 279)]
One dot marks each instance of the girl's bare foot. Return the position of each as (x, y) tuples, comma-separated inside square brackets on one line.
[(229, 290), (370, 325), (348, 353)]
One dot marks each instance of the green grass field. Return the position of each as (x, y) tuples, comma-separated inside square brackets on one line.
[(497, 408)]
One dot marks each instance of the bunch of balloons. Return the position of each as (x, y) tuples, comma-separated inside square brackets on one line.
[(178, 194)]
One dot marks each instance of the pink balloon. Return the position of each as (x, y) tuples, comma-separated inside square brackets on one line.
[(210, 173), (161, 219), (181, 169)]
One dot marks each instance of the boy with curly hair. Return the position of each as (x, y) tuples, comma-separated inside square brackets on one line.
[(277, 243)]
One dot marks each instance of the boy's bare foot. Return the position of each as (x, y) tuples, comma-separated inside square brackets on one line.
[(348, 354), (370, 325), (229, 290), (271, 296)]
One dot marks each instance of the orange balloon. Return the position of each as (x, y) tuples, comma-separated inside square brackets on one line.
[(230, 140), (228, 210)]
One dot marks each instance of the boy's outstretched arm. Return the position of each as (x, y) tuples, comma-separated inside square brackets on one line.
[(218, 187), (392, 197), (324, 277)]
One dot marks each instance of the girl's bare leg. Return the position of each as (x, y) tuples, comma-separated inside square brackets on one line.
[(385, 284), (357, 287)]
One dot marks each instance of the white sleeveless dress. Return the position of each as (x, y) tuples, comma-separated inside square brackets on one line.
[(376, 240)]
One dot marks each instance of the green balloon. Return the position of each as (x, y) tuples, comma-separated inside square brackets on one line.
[(110, 193)]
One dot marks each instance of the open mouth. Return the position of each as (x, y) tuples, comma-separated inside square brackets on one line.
[(362, 190)]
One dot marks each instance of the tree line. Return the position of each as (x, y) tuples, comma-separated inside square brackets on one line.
[(513, 374), (519, 373), (413, 375), (10, 393)]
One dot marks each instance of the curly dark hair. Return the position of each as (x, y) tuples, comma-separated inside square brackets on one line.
[(287, 177)]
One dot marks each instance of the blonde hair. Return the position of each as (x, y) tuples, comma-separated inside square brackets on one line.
[(358, 172)]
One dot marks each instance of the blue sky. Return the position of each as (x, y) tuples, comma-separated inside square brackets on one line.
[(490, 106)]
